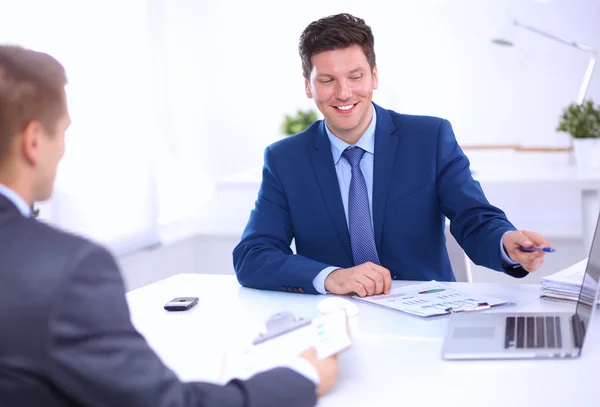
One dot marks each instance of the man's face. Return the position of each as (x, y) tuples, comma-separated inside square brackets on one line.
[(51, 151), (341, 84)]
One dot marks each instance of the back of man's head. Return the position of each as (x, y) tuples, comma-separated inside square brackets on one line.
[(31, 89)]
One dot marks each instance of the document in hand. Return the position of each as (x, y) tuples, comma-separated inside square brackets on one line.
[(565, 285), (432, 298), (327, 333)]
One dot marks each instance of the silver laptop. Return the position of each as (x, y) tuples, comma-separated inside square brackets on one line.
[(526, 335)]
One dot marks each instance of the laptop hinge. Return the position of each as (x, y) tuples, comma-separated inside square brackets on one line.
[(578, 330)]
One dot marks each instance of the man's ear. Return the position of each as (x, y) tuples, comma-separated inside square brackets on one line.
[(30, 139), (307, 89), (375, 78)]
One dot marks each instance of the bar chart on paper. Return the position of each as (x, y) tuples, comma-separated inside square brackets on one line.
[(432, 298)]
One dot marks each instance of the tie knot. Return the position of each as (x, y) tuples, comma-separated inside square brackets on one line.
[(353, 155)]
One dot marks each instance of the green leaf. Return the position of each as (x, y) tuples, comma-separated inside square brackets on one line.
[(580, 121), (298, 123)]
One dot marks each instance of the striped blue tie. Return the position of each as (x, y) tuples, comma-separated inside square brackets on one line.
[(362, 238)]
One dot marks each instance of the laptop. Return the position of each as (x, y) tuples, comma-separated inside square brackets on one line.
[(527, 335)]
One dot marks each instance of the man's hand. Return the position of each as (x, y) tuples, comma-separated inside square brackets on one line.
[(327, 369), (364, 280), (531, 261)]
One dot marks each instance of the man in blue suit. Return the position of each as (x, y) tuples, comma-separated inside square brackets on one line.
[(364, 193)]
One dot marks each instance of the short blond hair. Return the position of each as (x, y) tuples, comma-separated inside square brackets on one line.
[(31, 88)]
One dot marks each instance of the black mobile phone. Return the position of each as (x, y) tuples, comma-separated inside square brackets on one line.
[(181, 303)]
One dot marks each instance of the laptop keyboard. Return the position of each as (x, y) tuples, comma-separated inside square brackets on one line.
[(533, 332)]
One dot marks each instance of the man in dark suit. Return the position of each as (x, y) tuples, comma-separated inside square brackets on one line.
[(365, 192), (66, 337)]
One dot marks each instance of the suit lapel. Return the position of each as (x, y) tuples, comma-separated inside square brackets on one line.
[(386, 145), (326, 176)]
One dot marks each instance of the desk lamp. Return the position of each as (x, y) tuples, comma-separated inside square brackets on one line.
[(507, 41)]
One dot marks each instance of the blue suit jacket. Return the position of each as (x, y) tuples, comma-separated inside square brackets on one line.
[(420, 174)]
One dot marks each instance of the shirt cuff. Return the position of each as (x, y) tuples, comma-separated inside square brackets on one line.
[(319, 280), (504, 256), (305, 368)]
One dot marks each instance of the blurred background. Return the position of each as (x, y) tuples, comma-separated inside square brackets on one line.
[(174, 101)]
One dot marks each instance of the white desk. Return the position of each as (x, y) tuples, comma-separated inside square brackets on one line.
[(395, 360)]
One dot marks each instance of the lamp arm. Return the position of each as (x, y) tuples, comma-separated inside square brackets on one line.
[(586, 80), (566, 41), (582, 47)]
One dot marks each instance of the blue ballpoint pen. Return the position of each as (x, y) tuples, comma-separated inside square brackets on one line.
[(537, 248)]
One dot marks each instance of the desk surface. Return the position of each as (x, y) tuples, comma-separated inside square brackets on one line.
[(395, 359)]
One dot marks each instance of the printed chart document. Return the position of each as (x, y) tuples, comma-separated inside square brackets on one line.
[(432, 298), (327, 333)]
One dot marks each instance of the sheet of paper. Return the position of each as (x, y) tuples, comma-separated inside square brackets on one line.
[(328, 334), (570, 277), (430, 299)]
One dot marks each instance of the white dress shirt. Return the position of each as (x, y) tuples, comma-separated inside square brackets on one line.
[(16, 200)]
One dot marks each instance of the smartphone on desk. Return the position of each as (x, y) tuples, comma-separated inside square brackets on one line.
[(181, 303)]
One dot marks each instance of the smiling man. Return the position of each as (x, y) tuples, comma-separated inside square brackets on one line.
[(365, 192)]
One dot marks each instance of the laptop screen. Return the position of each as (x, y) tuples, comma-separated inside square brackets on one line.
[(589, 289)]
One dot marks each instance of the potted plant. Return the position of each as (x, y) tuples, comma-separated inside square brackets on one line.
[(301, 121), (582, 122)]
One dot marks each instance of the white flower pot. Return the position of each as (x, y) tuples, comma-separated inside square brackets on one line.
[(587, 152)]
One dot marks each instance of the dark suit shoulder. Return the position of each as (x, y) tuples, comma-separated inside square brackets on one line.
[(416, 121), (42, 254), (418, 129), (61, 241), (301, 140), (38, 264)]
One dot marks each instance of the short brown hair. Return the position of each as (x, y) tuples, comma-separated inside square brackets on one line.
[(31, 88), (335, 32)]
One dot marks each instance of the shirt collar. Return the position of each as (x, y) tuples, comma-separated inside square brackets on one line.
[(366, 141), (19, 202)]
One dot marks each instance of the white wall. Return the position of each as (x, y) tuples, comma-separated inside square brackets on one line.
[(241, 73), (233, 71), (105, 187)]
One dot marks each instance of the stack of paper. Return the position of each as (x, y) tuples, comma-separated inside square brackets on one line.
[(565, 284)]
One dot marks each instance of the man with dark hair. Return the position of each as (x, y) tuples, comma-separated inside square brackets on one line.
[(365, 192), (66, 336)]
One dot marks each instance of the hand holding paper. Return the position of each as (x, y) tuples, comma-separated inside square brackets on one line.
[(328, 334), (327, 369)]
